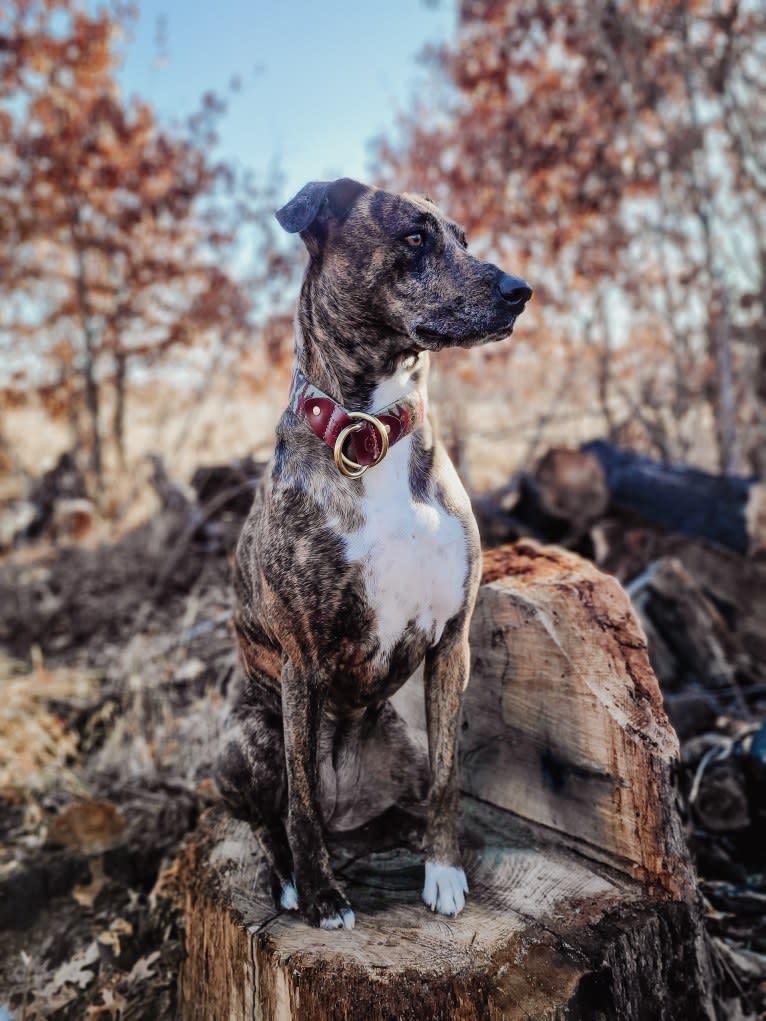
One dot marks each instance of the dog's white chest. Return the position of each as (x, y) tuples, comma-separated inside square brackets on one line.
[(412, 553)]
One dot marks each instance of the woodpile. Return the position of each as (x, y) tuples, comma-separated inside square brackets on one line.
[(690, 548)]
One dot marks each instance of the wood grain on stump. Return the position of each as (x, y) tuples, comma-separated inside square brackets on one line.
[(583, 912), (563, 720)]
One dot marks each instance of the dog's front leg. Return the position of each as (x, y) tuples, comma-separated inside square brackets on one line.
[(320, 898), (446, 675)]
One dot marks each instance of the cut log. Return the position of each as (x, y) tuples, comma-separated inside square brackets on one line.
[(569, 490), (558, 502), (725, 509), (586, 911), (545, 934)]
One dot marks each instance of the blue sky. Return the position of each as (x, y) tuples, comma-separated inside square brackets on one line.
[(319, 80)]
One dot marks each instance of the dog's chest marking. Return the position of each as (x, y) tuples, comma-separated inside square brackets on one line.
[(412, 552)]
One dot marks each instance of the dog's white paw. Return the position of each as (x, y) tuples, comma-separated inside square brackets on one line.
[(289, 897), (343, 920), (445, 888)]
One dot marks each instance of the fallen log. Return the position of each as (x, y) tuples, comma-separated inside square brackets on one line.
[(569, 490), (582, 897), (725, 509)]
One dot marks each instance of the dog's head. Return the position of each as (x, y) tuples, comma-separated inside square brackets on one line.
[(397, 262)]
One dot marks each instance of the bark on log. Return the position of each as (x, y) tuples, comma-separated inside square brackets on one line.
[(590, 915)]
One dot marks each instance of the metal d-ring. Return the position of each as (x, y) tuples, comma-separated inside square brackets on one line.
[(352, 469)]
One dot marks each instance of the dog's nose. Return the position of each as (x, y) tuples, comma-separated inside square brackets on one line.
[(515, 290)]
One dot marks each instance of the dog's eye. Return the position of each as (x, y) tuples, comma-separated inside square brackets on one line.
[(415, 240)]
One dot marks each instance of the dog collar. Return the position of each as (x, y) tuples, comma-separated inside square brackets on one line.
[(367, 436)]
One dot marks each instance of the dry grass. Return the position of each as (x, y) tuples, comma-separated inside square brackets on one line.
[(187, 429), (37, 748), (495, 425)]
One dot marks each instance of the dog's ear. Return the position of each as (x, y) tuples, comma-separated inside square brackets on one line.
[(304, 209), (301, 211)]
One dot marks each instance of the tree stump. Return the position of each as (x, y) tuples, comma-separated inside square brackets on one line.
[(564, 723), (581, 897)]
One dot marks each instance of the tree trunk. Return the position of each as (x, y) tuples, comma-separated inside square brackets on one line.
[(120, 395), (92, 392), (582, 901), (546, 935)]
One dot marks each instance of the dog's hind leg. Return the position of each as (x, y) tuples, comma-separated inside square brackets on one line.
[(378, 766), (250, 773)]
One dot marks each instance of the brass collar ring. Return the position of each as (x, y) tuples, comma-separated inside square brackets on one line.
[(351, 469)]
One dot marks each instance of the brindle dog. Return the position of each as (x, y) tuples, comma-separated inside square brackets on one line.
[(346, 585)]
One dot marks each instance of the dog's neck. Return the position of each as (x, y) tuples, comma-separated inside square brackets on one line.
[(357, 364), (410, 374)]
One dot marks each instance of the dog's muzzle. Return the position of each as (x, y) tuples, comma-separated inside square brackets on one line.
[(345, 465)]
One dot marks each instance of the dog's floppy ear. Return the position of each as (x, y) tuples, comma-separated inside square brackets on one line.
[(304, 208), (301, 211)]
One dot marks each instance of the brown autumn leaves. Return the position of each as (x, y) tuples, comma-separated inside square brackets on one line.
[(614, 153), (115, 232)]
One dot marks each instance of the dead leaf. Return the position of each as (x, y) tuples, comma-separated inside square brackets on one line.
[(142, 969), (88, 826), (112, 1007), (76, 973), (86, 894), (119, 929)]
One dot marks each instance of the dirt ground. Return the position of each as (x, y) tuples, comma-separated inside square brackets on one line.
[(117, 662)]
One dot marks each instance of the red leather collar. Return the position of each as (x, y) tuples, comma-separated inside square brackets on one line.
[(327, 419)]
